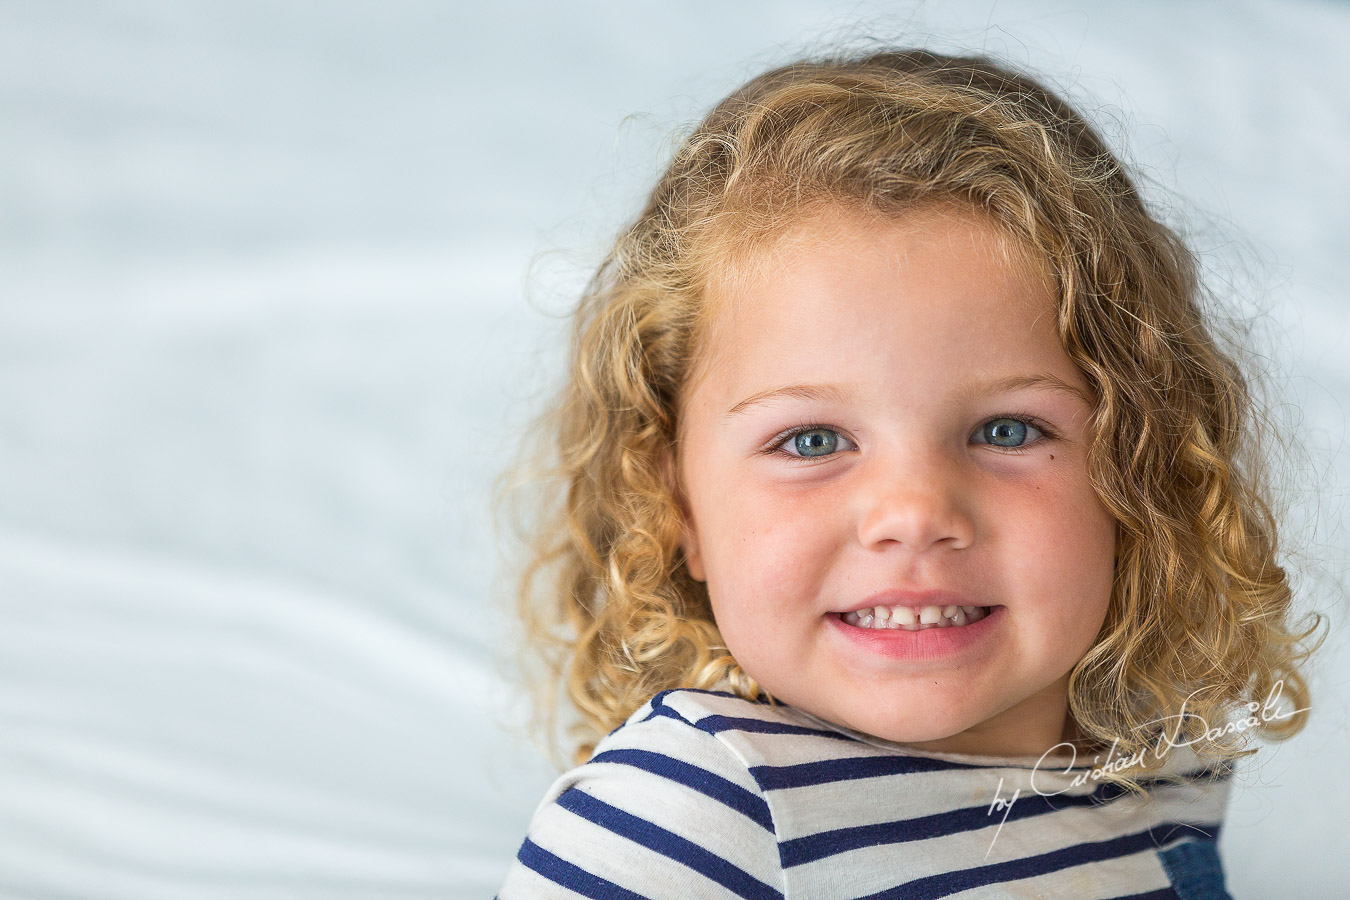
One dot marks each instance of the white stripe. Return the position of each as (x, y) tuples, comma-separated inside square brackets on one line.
[(671, 737), (613, 857), (690, 814), (524, 883)]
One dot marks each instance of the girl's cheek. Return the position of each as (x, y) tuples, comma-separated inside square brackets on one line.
[(772, 562)]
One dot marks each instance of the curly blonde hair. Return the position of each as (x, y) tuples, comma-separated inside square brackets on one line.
[(1197, 620)]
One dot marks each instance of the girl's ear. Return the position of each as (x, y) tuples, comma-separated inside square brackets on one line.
[(689, 534)]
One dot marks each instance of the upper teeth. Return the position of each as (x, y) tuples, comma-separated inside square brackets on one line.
[(915, 618)]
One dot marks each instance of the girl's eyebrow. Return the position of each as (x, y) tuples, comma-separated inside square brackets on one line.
[(1043, 381), (801, 391), (1040, 381)]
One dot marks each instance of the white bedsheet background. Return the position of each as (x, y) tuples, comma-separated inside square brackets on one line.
[(264, 337)]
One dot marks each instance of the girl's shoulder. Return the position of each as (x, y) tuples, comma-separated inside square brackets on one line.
[(726, 729), (665, 801)]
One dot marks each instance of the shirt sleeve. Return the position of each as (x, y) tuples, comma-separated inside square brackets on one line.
[(661, 810)]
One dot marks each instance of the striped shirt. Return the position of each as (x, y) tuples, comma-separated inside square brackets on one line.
[(703, 794)]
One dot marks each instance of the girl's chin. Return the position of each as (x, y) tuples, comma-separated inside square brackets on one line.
[(962, 738), (928, 740), (926, 734)]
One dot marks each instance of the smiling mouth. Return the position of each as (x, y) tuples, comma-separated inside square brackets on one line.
[(908, 618)]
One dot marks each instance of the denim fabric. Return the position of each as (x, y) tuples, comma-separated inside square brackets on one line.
[(1195, 871)]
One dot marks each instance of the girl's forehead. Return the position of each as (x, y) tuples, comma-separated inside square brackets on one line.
[(842, 228), (844, 233), (827, 277)]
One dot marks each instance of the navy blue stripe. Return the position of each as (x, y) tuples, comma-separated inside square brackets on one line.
[(802, 850), (826, 771), (715, 724), (810, 848), (574, 878), (667, 843), (947, 883), (747, 803), (1160, 894)]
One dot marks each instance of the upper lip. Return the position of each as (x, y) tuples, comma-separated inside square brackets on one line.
[(916, 599)]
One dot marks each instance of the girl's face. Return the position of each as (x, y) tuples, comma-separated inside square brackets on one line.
[(886, 413)]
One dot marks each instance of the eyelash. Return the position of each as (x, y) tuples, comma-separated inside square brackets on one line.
[(774, 447)]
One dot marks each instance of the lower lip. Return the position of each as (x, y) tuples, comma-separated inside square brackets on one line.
[(926, 644)]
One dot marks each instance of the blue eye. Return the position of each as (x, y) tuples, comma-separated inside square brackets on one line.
[(1008, 432), (810, 442), (816, 442)]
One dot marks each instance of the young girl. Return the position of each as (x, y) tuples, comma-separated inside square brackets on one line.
[(908, 545)]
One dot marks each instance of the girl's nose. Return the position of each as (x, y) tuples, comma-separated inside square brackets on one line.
[(919, 506)]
